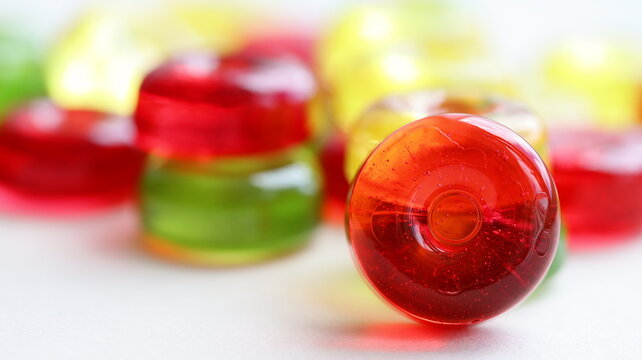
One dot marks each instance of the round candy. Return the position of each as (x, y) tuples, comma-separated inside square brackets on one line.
[(54, 160), (599, 178), (201, 106), (590, 80), (453, 219), (230, 211), (395, 111), (21, 73)]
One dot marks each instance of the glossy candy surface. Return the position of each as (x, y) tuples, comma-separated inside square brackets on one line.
[(54, 160), (200, 106), (453, 219), (395, 111), (20, 72), (599, 178), (230, 211)]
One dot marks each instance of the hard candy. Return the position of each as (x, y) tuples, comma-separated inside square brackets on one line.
[(453, 219)]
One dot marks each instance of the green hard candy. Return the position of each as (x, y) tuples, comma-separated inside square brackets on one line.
[(21, 76), (231, 211)]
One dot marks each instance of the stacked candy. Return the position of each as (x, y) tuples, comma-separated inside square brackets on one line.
[(228, 180)]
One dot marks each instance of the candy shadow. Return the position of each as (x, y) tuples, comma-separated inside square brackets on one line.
[(347, 315), (413, 337)]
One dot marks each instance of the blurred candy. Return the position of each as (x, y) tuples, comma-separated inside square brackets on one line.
[(199, 106), (230, 211), (590, 81), (599, 177), (101, 61), (231, 182), (405, 69), (20, 72), (374, 27), (336, 184), (453, 219), (393, 112), (55, 161), (282, 42), (386, 48)]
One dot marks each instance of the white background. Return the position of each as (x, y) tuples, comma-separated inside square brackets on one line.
[(80, 289)]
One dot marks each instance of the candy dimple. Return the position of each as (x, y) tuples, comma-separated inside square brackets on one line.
[(447, 219)]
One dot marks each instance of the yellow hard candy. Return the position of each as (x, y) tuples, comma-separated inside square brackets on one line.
[(379, 49), (100, 62), (375, 26), (590, 81), (393, 112), (406, 69)]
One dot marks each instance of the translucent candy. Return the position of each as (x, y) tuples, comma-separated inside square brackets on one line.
[(230, 211), (202, 106), (100, 62), (229, 181), (590, 81), (21, 75), (599, 177), (58, 161), (453, 219)]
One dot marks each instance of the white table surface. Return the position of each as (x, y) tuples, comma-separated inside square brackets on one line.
[(80, 289)]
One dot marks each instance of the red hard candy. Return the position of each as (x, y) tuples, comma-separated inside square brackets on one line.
[(202, 106), (58, 160), (599, 178), (453, 219)]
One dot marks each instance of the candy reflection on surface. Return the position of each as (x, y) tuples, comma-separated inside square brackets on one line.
[(453, 219), (54, 160), (599, 178)]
